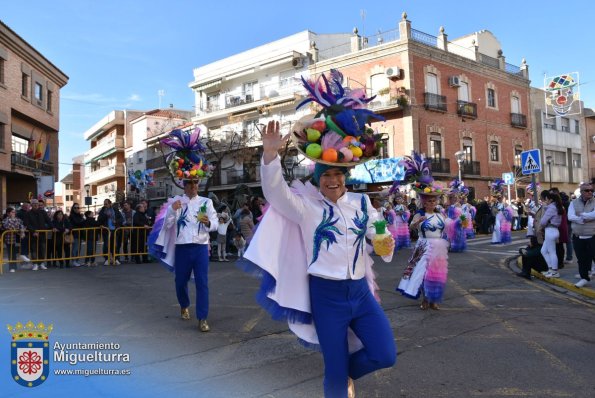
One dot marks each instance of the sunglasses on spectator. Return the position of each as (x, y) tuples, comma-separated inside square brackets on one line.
[(586, 190)]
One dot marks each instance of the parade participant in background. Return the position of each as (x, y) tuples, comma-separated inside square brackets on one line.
[(469, 211), (532, 207), (310, 249), (180, 236), (550, 222), (502, 214), (581, 214), (427, 268), (401, 223), (456, 229)]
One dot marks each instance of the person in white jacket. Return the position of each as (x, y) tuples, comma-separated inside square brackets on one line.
[(333, 225)]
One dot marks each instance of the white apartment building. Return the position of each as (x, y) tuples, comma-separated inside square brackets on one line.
[(237, 95), (563, 144)]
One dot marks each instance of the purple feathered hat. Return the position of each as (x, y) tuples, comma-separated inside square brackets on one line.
[(419, 175), (497, 187)]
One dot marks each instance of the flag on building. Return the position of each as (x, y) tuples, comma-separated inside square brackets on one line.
[(46, 155), (31, 148), (38, 150)]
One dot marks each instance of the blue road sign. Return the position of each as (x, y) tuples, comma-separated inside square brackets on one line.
[(531, 161), (508, 178)]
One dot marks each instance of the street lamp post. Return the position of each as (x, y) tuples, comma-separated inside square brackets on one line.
[(460, 155), (549, 160), (87, 199)]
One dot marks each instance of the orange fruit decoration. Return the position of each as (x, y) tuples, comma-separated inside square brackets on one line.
[(330, 155)]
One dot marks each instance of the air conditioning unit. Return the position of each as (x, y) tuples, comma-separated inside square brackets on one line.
[(593, 139), (360, 187), (393, 72), (297, 62), (454, 81)]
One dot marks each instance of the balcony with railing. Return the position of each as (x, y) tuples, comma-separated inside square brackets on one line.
[(470, 167), (384, 103), (518, 120), (467, 109), (237, 100), (440, 165), (435, 102), (110, 144), (23, 162), (104, 173), (155, 163)]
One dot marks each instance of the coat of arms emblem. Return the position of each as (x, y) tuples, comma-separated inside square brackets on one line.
[(29, 353)]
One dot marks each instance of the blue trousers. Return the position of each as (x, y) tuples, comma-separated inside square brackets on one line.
[(336, 306), (188, 258)]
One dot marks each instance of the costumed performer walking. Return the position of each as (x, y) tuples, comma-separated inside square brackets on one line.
[(502, 213), (427, 268), (310, 245), (180, 236), (469, 210), (456, 229), (401, 223)]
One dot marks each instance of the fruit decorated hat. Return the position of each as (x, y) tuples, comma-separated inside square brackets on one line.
[(419, 175), (339, 133), (186, 159)]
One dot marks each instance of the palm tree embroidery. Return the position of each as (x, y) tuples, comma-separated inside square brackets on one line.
[(181, 223), (360, 231), (325, 232)]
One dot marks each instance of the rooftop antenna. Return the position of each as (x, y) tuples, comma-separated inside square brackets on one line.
[(362, 14), (160, 94)]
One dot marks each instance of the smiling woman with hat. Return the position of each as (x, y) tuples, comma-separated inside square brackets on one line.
[(427, 269), (310, 249)]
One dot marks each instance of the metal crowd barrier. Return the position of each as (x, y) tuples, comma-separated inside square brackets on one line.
[(87, 244)]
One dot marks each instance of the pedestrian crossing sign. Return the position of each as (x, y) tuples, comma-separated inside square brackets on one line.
[(531, 161)]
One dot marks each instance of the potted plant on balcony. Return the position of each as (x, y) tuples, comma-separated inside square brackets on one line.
[(383, 91), (400, 100)]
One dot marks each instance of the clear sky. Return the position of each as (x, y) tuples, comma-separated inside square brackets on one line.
[(119, 54)]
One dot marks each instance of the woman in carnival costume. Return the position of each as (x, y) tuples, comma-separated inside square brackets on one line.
[(469, 210), (427, 267), (456, 229), (502, 213), (180, 236), (310, 246), (400, 226)]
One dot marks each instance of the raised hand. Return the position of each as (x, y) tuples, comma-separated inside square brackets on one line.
[(272, 141)]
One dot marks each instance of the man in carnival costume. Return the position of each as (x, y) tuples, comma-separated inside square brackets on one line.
[(180, 237), (502, 213), (427, 268), (310, 246)]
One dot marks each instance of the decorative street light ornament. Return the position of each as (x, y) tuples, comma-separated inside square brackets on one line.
[(186, 160), (562, 94), (339, 134)]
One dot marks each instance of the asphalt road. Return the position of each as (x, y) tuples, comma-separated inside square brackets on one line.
[(496, 335)]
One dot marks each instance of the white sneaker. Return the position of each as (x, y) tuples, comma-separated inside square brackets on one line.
[(581, 283), (567, 261), (35, 267), (106, 262), (117, 262), (75, 263), (552, 274), (24, 258), (12, 270), (42, 266), (577, 276)]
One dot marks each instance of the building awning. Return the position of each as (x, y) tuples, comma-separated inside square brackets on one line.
[(203, 86), (103, 155), (281, 104)]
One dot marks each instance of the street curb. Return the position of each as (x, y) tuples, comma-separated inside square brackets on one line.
[(583, 291)]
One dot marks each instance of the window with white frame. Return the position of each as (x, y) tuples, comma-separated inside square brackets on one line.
[(432, 83), (19, 144), (435, 147), (463, 91), (558, 157), (491, 95), (494, 151), (379, 84), (576, 160), (468, 149), (515, 104), (518, 149), (38, 92), (213, 101), (576, 126)]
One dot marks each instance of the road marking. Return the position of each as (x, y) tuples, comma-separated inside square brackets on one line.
[(517, 392), (468, 296), (504, 290)]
